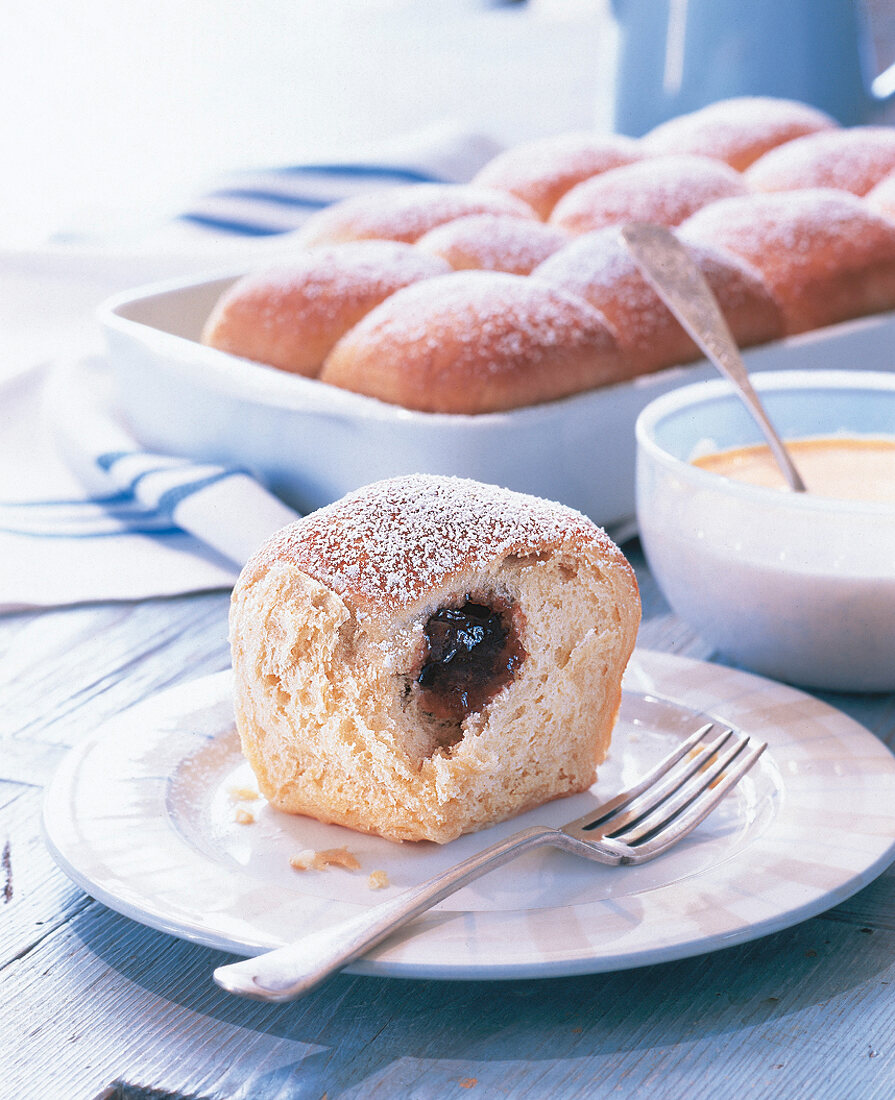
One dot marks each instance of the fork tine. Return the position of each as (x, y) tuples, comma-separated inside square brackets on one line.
[(698, 809), (688, 788), (663, 789), (677, 788), (624, 798)]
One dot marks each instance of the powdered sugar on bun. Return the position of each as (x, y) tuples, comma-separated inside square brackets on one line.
[(541, 172), (492, 242), (737, 131), (598, 268), (391, 543), (291, 316), (848, 160), (405, 213), (662, 190), (824, 254), (475, 342)]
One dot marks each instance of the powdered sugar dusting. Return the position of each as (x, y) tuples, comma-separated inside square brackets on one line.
[(849, 160), (542, 171), (291, 316), (824, 254), (784, 231), (340, 266), (493, 242), (738, 130), (598, 268), (475, 342), (325, 279), (491, 316), (663, 190), (406, 213), (389, 543)]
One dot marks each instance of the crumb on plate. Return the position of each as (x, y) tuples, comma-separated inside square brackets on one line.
[(243, 794), (328, 857)]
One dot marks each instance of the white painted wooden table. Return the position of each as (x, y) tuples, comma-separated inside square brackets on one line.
[(93, 1003)]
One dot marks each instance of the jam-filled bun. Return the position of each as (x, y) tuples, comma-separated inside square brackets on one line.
[(825, 256), (737, 131), (663, 191), (291, 316), (475, 342), (492, 242), (598, 268), (852, 160), (405, 213), (541, 172), (428, 656)]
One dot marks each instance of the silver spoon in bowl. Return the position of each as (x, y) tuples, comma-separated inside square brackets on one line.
[(668, 267)]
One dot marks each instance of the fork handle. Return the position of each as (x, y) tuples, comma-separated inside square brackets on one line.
[(294, 970)]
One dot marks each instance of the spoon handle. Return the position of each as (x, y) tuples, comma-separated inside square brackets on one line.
[(670, 270)]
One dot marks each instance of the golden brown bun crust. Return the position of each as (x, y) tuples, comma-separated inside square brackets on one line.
[(663, 190), (475, 342), (405, 213), (491, 242), (541, 172), (848, 160), (328, 637), (824, 254), (737, 131), (290, 317), (598, 268)]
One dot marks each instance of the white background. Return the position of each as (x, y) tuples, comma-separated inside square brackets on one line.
[(116, 110)]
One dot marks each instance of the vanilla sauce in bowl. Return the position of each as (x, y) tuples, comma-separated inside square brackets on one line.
[(841, 468)]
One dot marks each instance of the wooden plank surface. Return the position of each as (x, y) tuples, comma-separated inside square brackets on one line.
[(90, 997)]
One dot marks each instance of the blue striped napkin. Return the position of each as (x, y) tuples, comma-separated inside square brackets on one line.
[(266, 202), (85, 513)]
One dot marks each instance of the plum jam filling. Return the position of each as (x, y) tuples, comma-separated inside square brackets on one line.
[(473, 652)]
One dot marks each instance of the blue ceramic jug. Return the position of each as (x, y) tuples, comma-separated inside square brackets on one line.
[(678, 55)]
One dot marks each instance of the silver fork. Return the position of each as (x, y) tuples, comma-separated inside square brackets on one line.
[(633, 827)]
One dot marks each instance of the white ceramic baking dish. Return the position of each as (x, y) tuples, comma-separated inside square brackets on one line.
[(310, 442)]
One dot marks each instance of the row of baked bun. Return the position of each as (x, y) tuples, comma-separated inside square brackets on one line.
[(395, 320), (774, 144), (581, 181), (664, 189)]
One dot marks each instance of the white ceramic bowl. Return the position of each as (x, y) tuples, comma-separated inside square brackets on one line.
[(791, 585), (311, 443)]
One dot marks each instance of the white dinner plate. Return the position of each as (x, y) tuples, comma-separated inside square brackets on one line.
[(143, 816)]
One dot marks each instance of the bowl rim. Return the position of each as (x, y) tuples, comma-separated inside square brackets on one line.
[(701, 393)]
